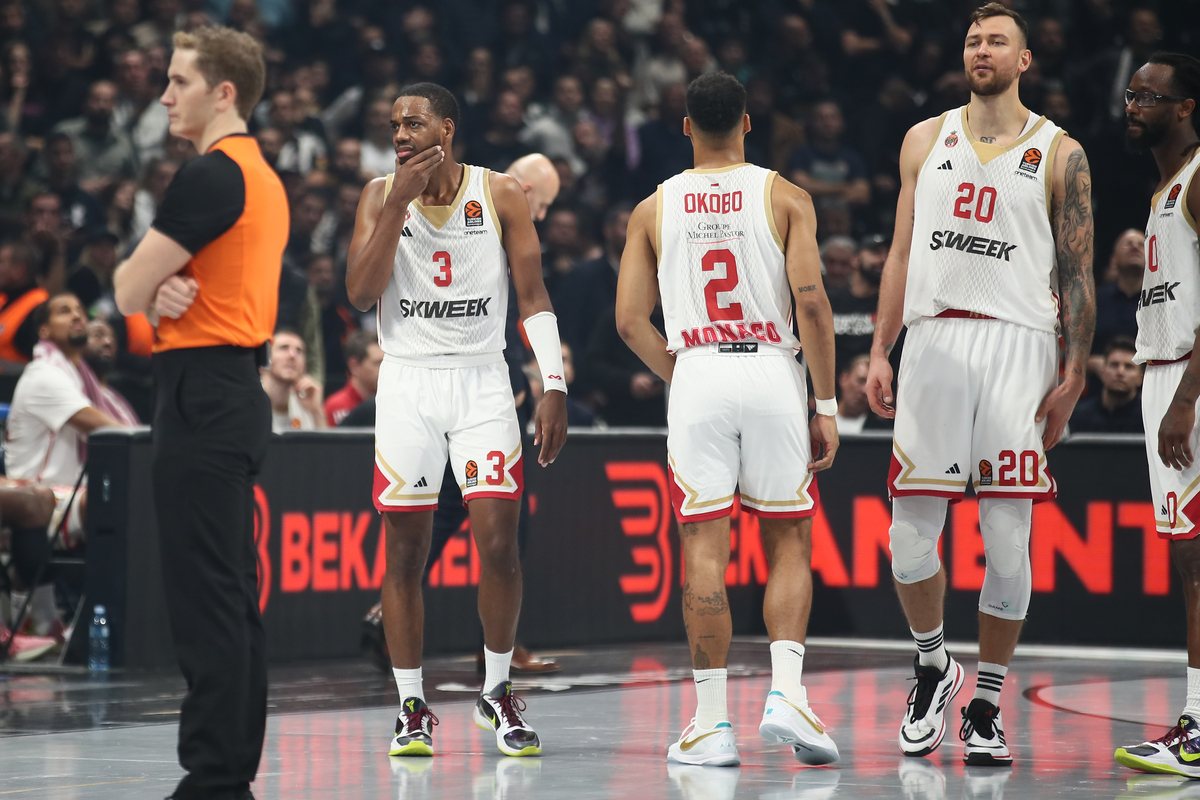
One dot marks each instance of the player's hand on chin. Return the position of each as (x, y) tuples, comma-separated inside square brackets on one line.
[(1175, 434), (550, 426), (1056, 409), (413, 175), (175, 295), (824, 434), (879, 388)]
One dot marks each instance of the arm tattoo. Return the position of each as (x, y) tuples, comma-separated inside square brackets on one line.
[(1073, 241), (811, 287)]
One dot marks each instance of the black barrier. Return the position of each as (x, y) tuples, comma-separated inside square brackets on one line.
[(602, 562)]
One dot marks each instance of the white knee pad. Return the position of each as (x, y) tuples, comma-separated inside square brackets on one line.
[(1008, 583), (916, 527)]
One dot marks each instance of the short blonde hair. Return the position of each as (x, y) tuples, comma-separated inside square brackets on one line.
[(223, 54)]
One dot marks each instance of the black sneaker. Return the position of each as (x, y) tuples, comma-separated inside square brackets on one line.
[(983, 731), (414, 729), (500, 710)]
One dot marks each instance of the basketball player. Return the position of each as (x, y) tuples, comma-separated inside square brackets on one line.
[(1161, 114), (993, 236), (433, 245), (731, 247)]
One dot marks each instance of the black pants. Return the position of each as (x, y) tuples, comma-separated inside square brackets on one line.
[(212, 422)]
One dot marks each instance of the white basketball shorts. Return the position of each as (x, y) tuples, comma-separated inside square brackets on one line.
[(1174, 493), (968, 394), (739, 422), (423, 415)]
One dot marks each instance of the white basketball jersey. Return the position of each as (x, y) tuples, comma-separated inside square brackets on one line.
[(448, 296), (1168, 311), (721, 269), (982, 237)]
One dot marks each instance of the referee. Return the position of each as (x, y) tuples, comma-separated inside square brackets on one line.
[(207, 273)]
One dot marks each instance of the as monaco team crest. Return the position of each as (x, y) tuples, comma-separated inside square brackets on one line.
[(952, 139), (1173, 197)]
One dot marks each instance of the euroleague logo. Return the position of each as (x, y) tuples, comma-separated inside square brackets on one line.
[(1031, 160), (985, 473), (952, 139), (473, 212), (472, 472), (1173, 197)]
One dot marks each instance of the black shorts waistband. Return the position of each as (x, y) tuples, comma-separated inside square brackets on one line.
[(224, 352)]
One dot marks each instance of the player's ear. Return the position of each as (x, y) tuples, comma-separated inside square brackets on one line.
[(745, 123), (687, 126), (447, 129), (1187, 108)]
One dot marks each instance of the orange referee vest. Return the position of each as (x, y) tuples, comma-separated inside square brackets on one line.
[(238, 272), (11, 319)]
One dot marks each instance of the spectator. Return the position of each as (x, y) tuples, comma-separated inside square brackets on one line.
[(839, 260), (500, 145), (58, 400), (377, 154), (16, 188), (665, 66), (155, 180), (798, 71), (562, 246), (295, 397), (100, 355), (1049, 46), (1117, 408), (25, 113), (166, 17), (478, 90), (80, 211), (1117, 298), (105, 151), (854, 413), (363, 357), (120, 201), (270, 142), (833, 173), (773, 135), (663, 149), (347, 163), (590, 288), (578, 415), (550, 132), (854, 305), (301, 151), (337, 320), (137, 111), (19, 297), (46, 235), (520, 43), (91, 278), (1109, 74), (599, 57), (539, 180), (307, 214), (872, 40), (631, 394)]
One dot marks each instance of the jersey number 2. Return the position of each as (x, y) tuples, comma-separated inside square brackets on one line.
[(709, 263), (442, 259)]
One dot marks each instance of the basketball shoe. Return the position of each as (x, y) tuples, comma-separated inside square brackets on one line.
[(414, 729), (924, 723), (983, 732), (500, 711), (791, 723), (715, 747), (1175, 753)]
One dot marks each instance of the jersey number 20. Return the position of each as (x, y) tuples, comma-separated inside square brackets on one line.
[(985, 205), (709, 263)]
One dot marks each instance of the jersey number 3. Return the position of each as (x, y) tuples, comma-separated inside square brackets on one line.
[(709, 263), (442, 259)]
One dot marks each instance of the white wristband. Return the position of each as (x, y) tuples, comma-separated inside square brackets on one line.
[(542, 331), (827, 408)]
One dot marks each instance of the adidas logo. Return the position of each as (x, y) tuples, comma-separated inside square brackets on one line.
[(954, 470), (420, 483), (408, 233), (946, 165)]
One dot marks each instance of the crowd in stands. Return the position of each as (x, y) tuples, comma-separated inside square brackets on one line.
[(595, 85)]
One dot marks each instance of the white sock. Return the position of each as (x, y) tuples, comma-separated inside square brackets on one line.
[(495, 667), (710, 697), (787, 665), (408, 682), (931, 649), (1193, 694), (989, 681)]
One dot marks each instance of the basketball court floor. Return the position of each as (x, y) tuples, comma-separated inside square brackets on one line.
[(605, 723)]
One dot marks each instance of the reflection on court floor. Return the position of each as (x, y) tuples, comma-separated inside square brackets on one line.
[(1063, 719)]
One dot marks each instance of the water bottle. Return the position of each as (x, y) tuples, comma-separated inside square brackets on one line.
[(98, 641)]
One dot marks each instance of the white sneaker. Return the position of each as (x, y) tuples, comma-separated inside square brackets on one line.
[(791, 723), (500, 711), (715, 747), (983, 731), (924, 723)]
